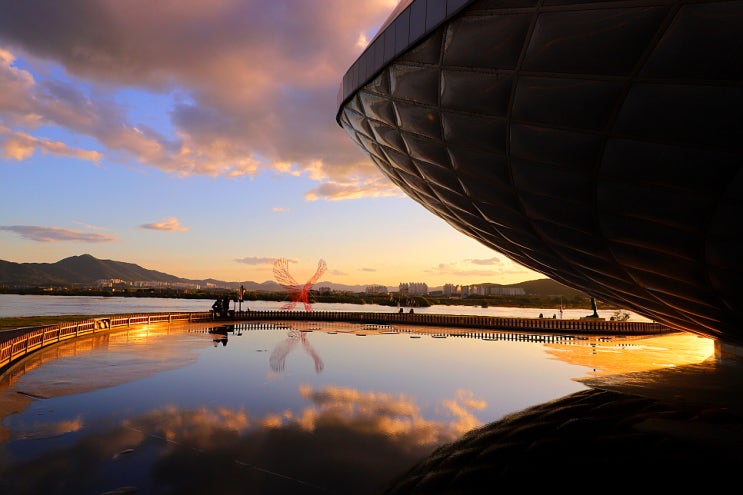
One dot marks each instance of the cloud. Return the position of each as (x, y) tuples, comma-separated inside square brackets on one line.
[(277, 209), (473, 267), (257, 260), (20, 146), (54, 234), (490, 261), (250, 85), (167, 224), (368, 269), (335, 190)]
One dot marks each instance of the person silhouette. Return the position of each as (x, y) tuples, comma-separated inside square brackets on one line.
[(225, 306)]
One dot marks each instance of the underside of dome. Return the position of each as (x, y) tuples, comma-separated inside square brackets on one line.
[(597, 143)]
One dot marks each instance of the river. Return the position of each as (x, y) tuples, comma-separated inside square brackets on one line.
[(14, 305)]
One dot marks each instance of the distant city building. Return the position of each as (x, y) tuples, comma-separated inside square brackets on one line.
[(146, 284), (493, 290), (413, 289), (110, 282), (451, 290), (376, 289)]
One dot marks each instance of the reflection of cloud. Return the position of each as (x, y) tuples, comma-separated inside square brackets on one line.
[(393, 416), (460, 408), (44, 430), (345, 441)]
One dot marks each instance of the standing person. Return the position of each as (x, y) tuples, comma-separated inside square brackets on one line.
[(217, 307), (226, 306)]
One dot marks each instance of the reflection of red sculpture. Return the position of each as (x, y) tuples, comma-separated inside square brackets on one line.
[(297, 292), (278, 356)]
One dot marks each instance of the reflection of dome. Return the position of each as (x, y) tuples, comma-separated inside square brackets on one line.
[(597, 143)]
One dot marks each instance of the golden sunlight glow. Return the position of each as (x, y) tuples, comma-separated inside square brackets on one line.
[(620, 355), (362, 41)]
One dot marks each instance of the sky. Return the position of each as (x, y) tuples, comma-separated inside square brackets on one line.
[(199, 139)]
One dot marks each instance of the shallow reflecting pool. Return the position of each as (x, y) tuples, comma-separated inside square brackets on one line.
[(281, 407)]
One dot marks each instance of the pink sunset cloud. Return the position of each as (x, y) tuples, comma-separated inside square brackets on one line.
[(253, 85)]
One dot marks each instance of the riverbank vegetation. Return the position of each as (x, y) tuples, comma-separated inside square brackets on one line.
[(574, 301), (570, 300)]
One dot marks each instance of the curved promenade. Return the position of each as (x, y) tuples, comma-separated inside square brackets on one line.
[(17, 343), (588, 325)]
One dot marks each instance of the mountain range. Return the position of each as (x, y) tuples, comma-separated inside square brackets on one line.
[(86, 270)]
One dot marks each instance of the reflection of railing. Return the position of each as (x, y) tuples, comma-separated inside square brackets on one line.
[(18, 343), (588, 326)]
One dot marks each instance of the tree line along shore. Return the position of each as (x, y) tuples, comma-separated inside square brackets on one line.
[(567, 301), (570, 301)]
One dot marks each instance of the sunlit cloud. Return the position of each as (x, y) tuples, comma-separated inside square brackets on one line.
[(277, 209), (54, 234), (362, 41), (368, 269), (489, 261), (20, 146), (168, 225), (489, 267), (337, 191), (257, 260), (91, 227), (256, 94)]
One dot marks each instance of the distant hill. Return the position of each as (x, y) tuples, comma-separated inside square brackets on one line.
[(86, 271), (546, 287)]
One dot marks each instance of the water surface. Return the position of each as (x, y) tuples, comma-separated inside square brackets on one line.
[(13, 305), (281, 407)]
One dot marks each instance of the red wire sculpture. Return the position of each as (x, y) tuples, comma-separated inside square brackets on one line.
[(297, 292)]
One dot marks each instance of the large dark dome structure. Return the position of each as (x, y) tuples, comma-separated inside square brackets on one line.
[(599, 143)]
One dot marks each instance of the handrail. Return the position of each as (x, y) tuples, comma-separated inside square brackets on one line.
[(24, 341)]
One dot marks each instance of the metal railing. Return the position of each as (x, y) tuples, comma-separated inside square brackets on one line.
[(25, 341)]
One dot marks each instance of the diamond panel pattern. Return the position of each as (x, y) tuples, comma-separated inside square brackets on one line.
[(599, 143)]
